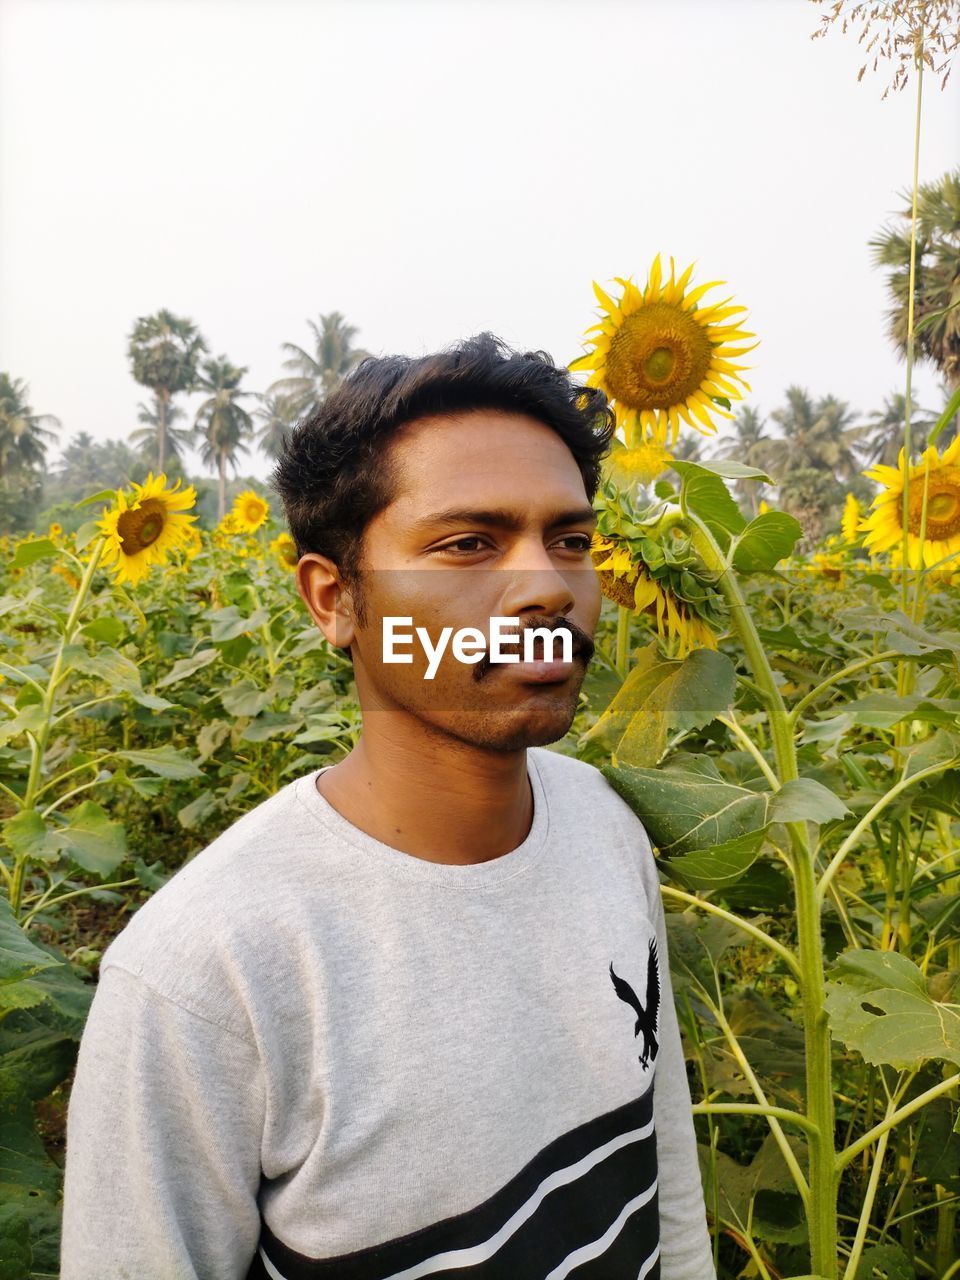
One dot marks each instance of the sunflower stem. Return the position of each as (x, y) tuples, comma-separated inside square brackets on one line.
[(623, 640), (38, 743), (824, 1178), (922, 573), (265, 633), (911, 340)]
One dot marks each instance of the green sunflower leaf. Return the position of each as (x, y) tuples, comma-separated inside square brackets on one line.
[(883, 710), (105, 495), (949, 413), (166, 762), (28, 836), (878, 1004), (766, 540), (271, 724), (86, 534), (690, 806), (187, 666), (719, 866), (105, 630), (245, 698), (29, 552), (706, 496), (29, 720), (114, 669), (901, 633), (229, 623), (91, 840), (729, 470), (659, 695), (19, 958)]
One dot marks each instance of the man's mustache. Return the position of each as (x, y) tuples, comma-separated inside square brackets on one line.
[(582, 646)]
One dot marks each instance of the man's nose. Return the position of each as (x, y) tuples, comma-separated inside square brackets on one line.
[(537, 584)]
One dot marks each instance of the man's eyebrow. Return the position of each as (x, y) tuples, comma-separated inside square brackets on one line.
[(500, 518)]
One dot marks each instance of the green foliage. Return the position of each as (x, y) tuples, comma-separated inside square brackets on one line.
[(825, 792), (800, 784)]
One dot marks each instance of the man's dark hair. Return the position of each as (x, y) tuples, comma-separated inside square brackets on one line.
[(334, 475)]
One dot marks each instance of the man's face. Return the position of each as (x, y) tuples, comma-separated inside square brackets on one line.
[(519, 547)]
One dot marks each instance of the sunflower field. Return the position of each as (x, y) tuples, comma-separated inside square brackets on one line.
[(786, 725), (780, 706)]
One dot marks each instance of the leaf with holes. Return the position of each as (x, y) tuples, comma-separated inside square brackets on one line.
[(878, 1004)]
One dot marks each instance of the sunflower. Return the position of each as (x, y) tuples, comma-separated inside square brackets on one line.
[(638, 465), (54, 531), (249, 511), (190, 549), (63, 572), (884, 528), (194, 542), (142, 533), (225, 530), (830, 565), (661, 358), (850, 520), (627, 579), (286, 550)]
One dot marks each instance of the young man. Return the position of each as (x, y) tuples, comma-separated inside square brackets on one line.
[(412, 1015)]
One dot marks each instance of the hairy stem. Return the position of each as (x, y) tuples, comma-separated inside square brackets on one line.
[(823, 1184)]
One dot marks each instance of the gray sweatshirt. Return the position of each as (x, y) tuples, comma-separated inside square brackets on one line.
[(313, 1055)]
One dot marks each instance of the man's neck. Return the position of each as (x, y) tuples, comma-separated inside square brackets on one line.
[(447, 803)]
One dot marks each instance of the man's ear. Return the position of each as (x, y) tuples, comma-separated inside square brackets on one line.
[(329, 602)]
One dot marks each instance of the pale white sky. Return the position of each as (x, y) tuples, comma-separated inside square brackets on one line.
[(431, 169)]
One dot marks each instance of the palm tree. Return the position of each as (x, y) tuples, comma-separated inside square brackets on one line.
[(164, 350), (816, 436), (750, 445), (316, 375), (937, 286), (881, 439), (277, 416), (87, 465), (808, 494), (688, 446), (222, 421), (22, 433), (161, 419)]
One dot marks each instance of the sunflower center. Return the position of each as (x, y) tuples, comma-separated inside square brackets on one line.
[(658, 365), (943, 508), (140, 527), (621, 590), (658, 357)]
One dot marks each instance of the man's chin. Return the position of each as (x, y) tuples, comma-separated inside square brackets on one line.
[(516, 731)]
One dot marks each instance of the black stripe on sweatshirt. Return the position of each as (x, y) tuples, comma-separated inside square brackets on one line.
[(585, 1206)]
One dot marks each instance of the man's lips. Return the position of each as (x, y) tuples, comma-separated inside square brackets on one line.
[(539, 669)]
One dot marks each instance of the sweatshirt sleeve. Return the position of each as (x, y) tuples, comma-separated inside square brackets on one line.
[(685, 1252), (163, 1142)]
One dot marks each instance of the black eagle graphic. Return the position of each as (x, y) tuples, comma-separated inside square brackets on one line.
[(646, 1015)]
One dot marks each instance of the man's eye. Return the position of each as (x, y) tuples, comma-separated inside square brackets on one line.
[(582, 543), (450, 546)]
